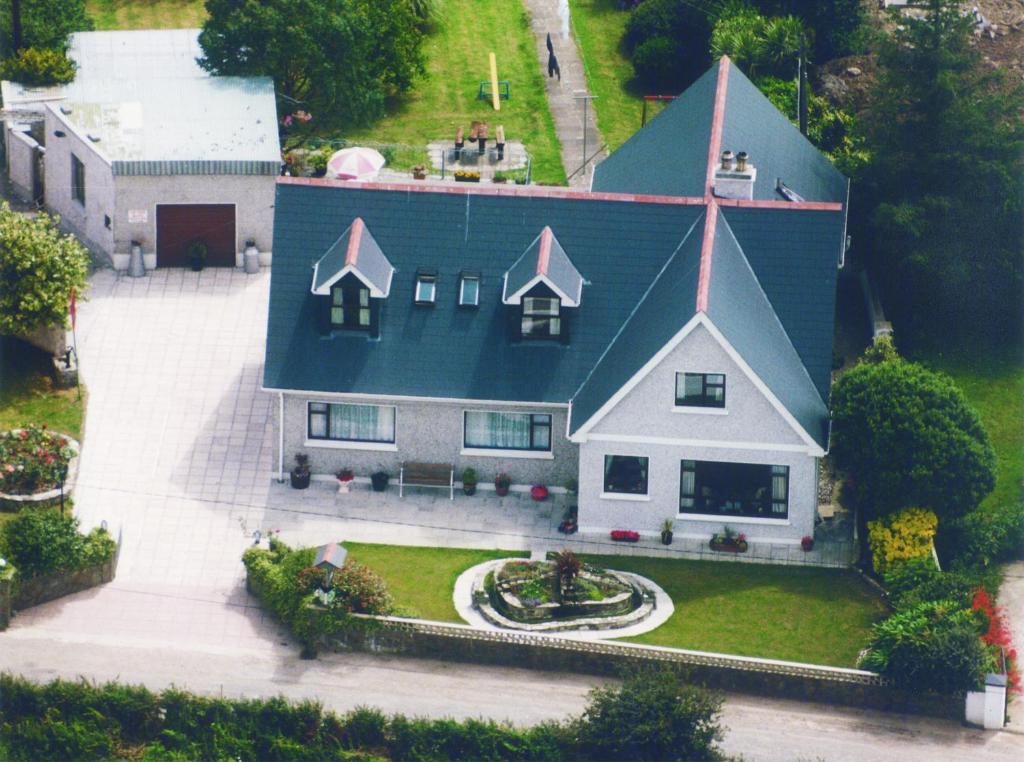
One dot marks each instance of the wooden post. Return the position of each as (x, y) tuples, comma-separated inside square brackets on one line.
[(495, 95)]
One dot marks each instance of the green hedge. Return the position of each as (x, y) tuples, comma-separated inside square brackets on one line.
[(78, 720), (41, 541)]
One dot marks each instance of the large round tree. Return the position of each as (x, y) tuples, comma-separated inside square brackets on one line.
[(906, 436), (38, 268)]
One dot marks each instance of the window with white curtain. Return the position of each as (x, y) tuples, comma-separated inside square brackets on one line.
[(352, 423), (507, 431)]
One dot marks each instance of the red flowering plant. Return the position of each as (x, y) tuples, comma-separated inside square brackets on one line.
[(32, 460), (997, 636)]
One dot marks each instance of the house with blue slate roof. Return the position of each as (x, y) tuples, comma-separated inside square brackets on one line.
[(664, 338)]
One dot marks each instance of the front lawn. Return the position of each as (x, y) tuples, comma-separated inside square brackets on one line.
[(598, 25), (421, 580), (446, 98), (817, 616), (146, 14)]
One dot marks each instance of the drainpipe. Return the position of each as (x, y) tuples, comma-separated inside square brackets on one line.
[(280, 437)]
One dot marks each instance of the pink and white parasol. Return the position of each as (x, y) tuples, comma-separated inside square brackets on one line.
[(355, 164)]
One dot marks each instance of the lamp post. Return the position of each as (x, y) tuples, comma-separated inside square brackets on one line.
[(63, 476)]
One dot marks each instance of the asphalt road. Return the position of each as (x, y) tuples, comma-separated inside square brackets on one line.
[(759, 729)]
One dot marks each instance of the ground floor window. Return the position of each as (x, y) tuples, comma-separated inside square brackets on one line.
[(625, 474), (507, 431), (352, 423), (734, 489)]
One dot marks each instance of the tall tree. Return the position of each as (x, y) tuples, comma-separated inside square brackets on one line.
[(340, 59), (940, 203), (43, 23)]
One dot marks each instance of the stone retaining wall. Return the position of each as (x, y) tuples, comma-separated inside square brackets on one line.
[(791, 680)]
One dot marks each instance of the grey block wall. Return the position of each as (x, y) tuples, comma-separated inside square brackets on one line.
[(750, 431), (430, 432), (86, 222), (21, 158)]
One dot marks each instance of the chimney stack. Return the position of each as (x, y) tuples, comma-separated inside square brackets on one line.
[(735, 180)]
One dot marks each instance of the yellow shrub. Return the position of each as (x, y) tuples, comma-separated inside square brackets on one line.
[(901, 537)]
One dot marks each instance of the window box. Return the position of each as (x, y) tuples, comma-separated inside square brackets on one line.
[(721, 543), (625, 535)]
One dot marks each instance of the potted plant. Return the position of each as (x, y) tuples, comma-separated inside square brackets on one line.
[(419, 172), (469, 481), (379, 481), (300, 473), (666, 531), (728, 541), (197, 251), (572, 486), (499, 177), (502, 482), (625, 535), (568, 525), (807, 543), (467, 176), (345, 477), (539, 492)]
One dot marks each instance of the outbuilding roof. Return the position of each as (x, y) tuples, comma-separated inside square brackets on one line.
[(147, 107)]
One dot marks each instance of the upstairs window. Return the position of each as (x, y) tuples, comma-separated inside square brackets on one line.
[(541, 317), (700, 389), (77, 180), (469, 290), (350, 305), (426, 288)]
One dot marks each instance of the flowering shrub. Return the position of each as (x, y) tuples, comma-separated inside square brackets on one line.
[(901, 537), (32, 460), (997, 636)]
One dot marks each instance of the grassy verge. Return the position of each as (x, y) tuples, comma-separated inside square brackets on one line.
[(446, 98), (598, 26), (422, 579), (146, 14), (818, 616)]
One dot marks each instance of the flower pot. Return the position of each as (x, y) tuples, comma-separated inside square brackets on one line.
[(197, 264), (666, 538), (500, 491), (300, 479), (807, 544), (539, 492), (344, 487), (469, 489), (379, 481)]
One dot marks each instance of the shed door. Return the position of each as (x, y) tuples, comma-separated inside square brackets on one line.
[(177, 225)]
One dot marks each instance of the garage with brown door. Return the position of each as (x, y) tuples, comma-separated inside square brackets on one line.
[(178, 225)]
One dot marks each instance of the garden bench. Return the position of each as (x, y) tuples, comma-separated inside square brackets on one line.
[(427, 475)]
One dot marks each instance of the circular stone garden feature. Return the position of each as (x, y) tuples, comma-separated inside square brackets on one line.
[(33, 463), (561, 594)]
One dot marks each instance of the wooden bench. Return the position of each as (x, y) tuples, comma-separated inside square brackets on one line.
[(427, 475)]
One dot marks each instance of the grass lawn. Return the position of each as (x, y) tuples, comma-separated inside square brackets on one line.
[(817, 616), (445, 99), (146, 14), (994, 385), (422, 579), (598, 25)]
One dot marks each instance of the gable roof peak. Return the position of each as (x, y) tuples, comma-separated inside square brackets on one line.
[(546, 262), (356, 252)]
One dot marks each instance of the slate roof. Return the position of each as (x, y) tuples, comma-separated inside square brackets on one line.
[(669, 156), (356, 250), (331, 554), (544, 260)]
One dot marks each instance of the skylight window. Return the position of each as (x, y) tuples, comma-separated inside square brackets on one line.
[(469, 290), (426, 288)]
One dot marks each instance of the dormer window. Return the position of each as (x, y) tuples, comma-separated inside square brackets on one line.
[(426, 287), (350, 305), (469, 290), (540, 318)]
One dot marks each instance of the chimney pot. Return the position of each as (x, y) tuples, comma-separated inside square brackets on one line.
[(741, 161), (727, 160)]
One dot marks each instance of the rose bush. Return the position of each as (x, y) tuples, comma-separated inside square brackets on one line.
[(33, 460)]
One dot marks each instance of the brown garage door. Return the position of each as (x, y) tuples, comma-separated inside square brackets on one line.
[(177, 225)]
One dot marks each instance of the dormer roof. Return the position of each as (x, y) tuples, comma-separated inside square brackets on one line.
[(354, 252), (544, 261)]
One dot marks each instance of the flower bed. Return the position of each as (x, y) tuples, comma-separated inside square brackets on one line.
[(33, 462)]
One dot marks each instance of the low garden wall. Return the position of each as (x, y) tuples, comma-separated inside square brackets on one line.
[(766, 677)]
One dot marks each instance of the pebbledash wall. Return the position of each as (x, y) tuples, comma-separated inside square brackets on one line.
[(647, 423), (429, 432), (130, 201)]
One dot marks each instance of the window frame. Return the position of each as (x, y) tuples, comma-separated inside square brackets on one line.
[(535, 424), (705, 401), (775, 471), (463, 279), (423, 279), (77, 180), (326, 414), (528, 311), (347, 290), (645, 469)]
